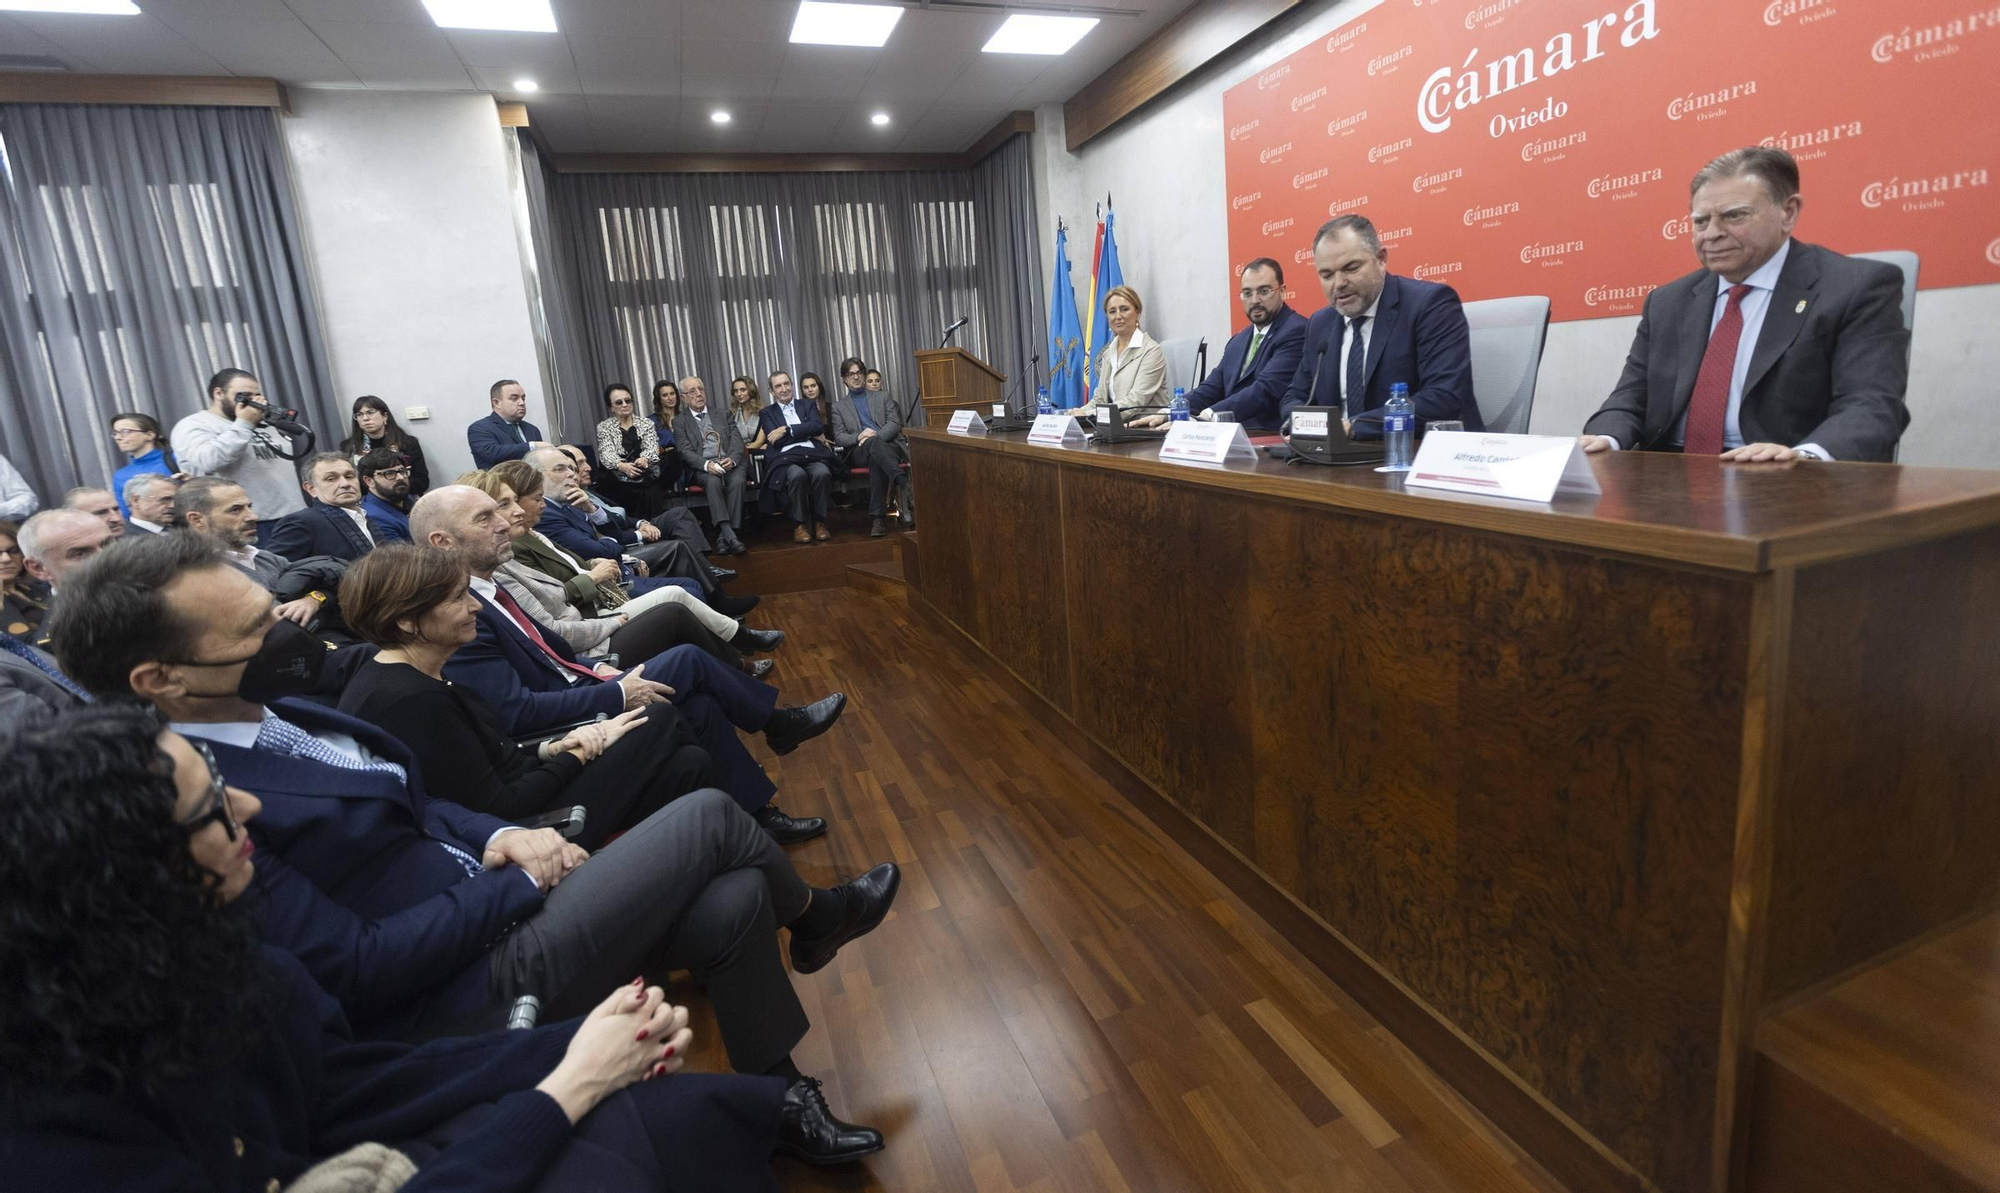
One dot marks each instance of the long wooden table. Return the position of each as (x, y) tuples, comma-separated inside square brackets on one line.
[(1569, 795)]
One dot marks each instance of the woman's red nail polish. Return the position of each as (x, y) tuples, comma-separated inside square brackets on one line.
[(643, 1033), (669, 1051), (640, 980), (659, 1070)]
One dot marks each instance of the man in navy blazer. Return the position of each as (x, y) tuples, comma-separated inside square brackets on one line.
[(504, 434), (1257, 362), (333, 522), (385, 479), (1379, 329), (569, 528)]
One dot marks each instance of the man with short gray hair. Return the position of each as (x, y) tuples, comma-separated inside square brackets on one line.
[(1801, 355), (98, 503), (150, 497), (712, 449), (54, 542)]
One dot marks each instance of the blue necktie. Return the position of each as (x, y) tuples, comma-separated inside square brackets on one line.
[(520, 436), (1357, 369), (13, 645)]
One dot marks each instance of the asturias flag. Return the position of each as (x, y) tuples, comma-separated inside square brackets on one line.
[(1105, 276), (1066, 382)]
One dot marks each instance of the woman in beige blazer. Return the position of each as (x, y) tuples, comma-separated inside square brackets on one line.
[(1132, 369)]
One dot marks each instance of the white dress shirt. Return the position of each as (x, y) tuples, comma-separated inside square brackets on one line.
[(792, 439), (361, 520)]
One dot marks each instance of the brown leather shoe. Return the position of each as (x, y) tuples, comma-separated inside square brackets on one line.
[(823, 534), (800, 534)]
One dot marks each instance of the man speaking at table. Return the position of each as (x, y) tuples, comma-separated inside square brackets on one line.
[(1377, 329), (1802, 354)]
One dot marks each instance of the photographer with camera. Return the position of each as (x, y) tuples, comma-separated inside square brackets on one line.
[(240, 438)]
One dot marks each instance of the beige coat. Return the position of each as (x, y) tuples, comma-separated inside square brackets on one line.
[(1140, 378)]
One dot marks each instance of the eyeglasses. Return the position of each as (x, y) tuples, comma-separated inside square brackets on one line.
[(13, 551), (391, 473), (1260, 292), (220, 809), (117, 431)]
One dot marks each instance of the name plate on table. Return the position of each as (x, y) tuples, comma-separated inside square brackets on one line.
[(1524, 467), (1191, 442), (1056, 430), (966, 422)]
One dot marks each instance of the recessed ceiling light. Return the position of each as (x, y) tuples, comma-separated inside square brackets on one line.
[(97, 8), (821, 24), (879, 118), (526, 85), (719, 116), (1038, 35), (518, 16)]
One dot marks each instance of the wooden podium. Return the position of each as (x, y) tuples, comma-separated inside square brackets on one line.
[(951, 379)]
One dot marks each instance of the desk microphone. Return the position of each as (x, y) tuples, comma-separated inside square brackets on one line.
[(1032, 363), (962, 321)]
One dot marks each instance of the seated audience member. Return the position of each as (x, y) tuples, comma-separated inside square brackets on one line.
[(54, 542), (387, 484), (1379, 329), (539, 577), (24, 600), (504, 434), (139, 437), (1132, 369), (153, 1042), (1257, 362), (628, 450), (813, 390), (229, 440), (221, 510), (712, 451), (149, 496), (745, 405), (1802, 355), (869, 428), (569, 528), (334, 524), (797, 467), (375, 429), (416, 914), (31, 684), (533, 678), (666, 408), (642, 535), (98, 503), (18, 500), (416, 607)]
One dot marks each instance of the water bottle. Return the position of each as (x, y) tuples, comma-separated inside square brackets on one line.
[(1399, 429), (1042, 400), (1178, 412)]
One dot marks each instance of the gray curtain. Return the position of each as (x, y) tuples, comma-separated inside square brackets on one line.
[(142, 249), (717, 275)]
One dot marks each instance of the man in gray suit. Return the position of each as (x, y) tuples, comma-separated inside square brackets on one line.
[(713, 451), (868, 427), (220, 509), (1803, 355)]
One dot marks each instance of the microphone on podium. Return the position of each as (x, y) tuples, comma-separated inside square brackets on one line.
[(962, 321)]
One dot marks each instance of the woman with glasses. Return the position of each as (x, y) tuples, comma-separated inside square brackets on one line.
[(628, 452), (24, 600), (149, 1041), (138, 436), (375, 428)]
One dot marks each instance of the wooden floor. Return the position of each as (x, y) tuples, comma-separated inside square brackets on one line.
[(1063, 999)]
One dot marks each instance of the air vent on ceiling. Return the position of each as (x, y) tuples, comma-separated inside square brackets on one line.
[(31, 62)]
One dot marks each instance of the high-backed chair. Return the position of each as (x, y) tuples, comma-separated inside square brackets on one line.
[(1180, 361), (1507, 339), (1906, 261)]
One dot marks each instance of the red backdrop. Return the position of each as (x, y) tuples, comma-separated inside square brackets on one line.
[(1544, 146)]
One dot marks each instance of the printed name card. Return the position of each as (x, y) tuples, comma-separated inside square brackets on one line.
[(1192, 442), (966, 422), (1056, 430), (1524, 467)]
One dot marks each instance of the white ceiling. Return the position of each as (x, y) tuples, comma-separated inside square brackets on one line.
[(626, 76)]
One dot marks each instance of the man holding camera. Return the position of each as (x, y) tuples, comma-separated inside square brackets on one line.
[(229, 440)]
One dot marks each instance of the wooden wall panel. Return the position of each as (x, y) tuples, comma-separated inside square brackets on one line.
[(1888, 816)]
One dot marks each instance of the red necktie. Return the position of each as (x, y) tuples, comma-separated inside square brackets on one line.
[(1708, 409), (501, 598)]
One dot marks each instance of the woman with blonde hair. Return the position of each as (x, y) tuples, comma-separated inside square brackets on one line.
[(746, 404), (1132, 369)]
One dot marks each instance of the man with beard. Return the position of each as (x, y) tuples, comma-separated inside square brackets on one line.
[(385, 479), (1257, 362)]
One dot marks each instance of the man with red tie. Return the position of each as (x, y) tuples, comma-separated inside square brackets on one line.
[(1775, 350)]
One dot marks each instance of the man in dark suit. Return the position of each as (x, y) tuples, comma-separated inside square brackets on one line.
[(1379, 329), (1257, 362), (385, 479), (150, 497), (1802, 354), (333, 523), (219, 508), (642, 535), (712, 451), (504, 434), (420, 916), (31, 684)]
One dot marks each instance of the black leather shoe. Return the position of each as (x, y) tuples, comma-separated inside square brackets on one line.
[(877, 527), (808, 1131), (734, 546), (757, 641), (760, 668), (721, 575), (789, 727), (789, 830), (866, 900), (731, 606), (906, 519)]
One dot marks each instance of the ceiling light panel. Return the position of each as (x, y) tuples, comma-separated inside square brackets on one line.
[(514, 16), (1021, 34), (95, 8), (821, 24)]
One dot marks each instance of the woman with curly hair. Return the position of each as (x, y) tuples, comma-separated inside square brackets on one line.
[(148, 1042)]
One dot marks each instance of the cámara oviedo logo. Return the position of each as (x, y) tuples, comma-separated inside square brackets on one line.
[(1443, 95), (1343, 205), (1993, 251), (1341, 126), (1271, 78), (1931, 42), (1803, 12), (1921, 194), (1707, 105), (1385, 64), (1621, 186), (1486, 14), (1810, 144), (1243, 202), (1424, 182), (1388, 152), (1271, 153), (1490, 216), (1306, 179), (1549, 254), (1675, 229), (1616, 297), (1306, 101), (1343, 41), (1437, 270), (1551, 150), (1271, 226), (1240, 131)]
